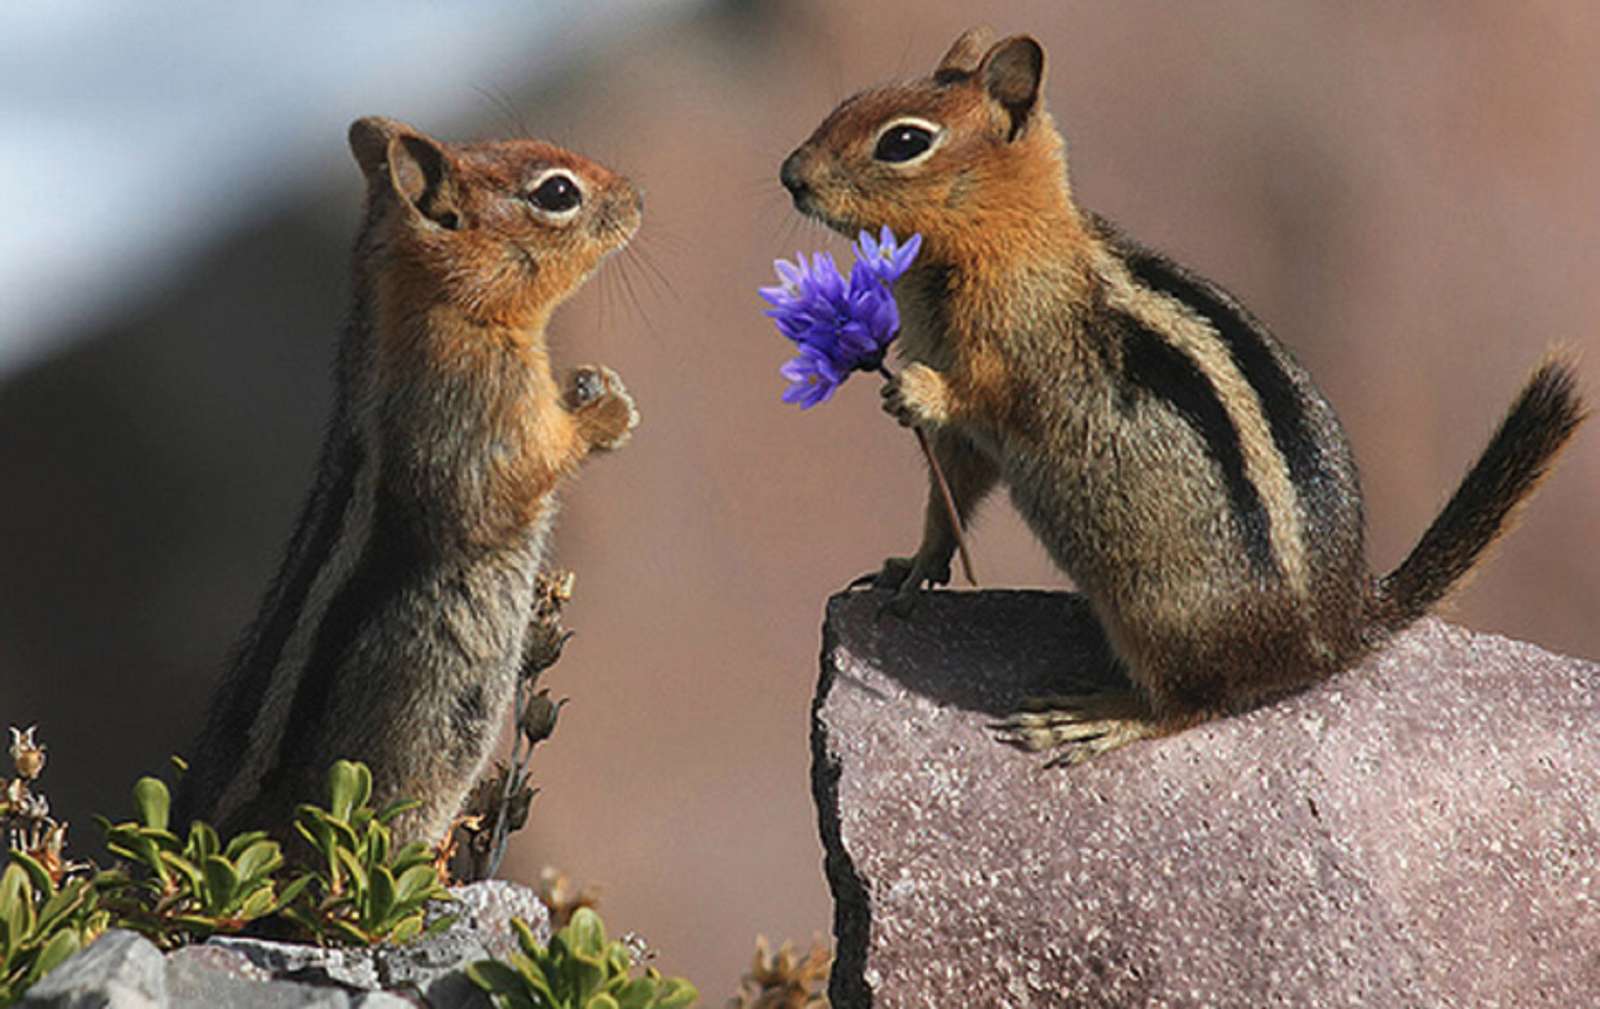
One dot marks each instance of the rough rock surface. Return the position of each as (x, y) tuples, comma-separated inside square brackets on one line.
[(122, 970), (1423, 830)]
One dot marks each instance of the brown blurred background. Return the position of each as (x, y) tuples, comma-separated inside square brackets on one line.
[(1407, 193)]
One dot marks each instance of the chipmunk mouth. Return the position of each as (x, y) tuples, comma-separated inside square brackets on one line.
[(806, 204)]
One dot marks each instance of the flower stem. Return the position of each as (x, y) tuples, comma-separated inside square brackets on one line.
[(944, 492)]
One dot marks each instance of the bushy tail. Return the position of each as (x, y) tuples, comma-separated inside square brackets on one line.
[(1519, 455)]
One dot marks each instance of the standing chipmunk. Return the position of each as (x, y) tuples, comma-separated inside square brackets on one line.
[(1169, 453), (394, 631)]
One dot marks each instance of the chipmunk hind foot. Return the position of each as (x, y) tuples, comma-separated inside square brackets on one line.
[(1079, 727)]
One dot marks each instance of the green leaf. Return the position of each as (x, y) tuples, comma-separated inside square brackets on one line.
[(203, 841), (600, 1000), (192, 875), (539, 983), (222, 884), (376, 848), (525, 938), (493, 976), (352, 865), (135, 846), (37, 874), (585, 934), (395, 808), (76, 895), (380, 896), (406, 929), (16, 905), (259, 903), (419, 881), (440, 924), (151, 799), (239, 842), (676, 993), (61, 945), (619, 960), (290, 893), (349, 788), (258, 860), (505, 985), (636, 994)]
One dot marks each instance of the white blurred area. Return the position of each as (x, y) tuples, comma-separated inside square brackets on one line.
[(132, 131)]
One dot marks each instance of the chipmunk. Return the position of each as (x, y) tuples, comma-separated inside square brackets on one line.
[(394, 630), (1170, 454)]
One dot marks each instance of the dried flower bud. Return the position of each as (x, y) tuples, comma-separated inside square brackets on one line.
[(26, 754), (539, 717)]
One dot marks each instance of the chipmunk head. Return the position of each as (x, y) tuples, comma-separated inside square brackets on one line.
[(969, 149), (502, 232)]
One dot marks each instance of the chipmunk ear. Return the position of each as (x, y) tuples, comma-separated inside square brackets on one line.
[(1013, 74), (965, 54), (408, 163)]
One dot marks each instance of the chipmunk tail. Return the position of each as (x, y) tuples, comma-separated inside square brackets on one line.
[(1485, 505)]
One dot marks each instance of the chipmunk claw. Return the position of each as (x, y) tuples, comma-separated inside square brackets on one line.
[(1079, 726), (905, 578)]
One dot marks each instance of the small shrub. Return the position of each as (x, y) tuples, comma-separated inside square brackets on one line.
[(41, 923), (784, 980), (362, 892), (191, 888), (579, 970)]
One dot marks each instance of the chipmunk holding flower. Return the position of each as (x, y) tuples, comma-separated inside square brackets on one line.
[(1170, 454), (396, 627)]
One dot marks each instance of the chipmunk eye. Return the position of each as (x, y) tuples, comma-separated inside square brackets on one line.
[(902, 142), (557, 194)]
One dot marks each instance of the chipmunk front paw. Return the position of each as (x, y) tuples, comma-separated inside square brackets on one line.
[(917, 397), (905, 577), (602, 407)]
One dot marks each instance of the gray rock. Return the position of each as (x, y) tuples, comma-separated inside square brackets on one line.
[(1421, 831), (486, 909), (351, 968), (432, 968), (428, 971), (120, 970), (124, 971), (212, 975)]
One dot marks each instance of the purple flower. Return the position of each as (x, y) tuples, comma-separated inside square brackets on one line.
[(886, 260), (838, 326), (812, 377)]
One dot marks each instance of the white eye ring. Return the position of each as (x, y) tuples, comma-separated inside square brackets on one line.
[(556, 195), (935, 132)]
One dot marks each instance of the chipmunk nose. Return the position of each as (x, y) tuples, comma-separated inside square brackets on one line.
[(789, 175)]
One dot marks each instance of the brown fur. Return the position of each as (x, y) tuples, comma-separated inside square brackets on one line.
[(394, 631), (1169, 453)]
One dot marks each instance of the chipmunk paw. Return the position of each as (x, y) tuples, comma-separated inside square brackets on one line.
[(1080, 726), (605, 412), (917, 397), (904, 577)]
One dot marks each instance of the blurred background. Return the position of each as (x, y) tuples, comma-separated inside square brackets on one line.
[(1407, 193)]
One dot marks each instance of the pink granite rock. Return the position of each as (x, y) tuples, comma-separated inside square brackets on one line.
[(1421, 831)]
